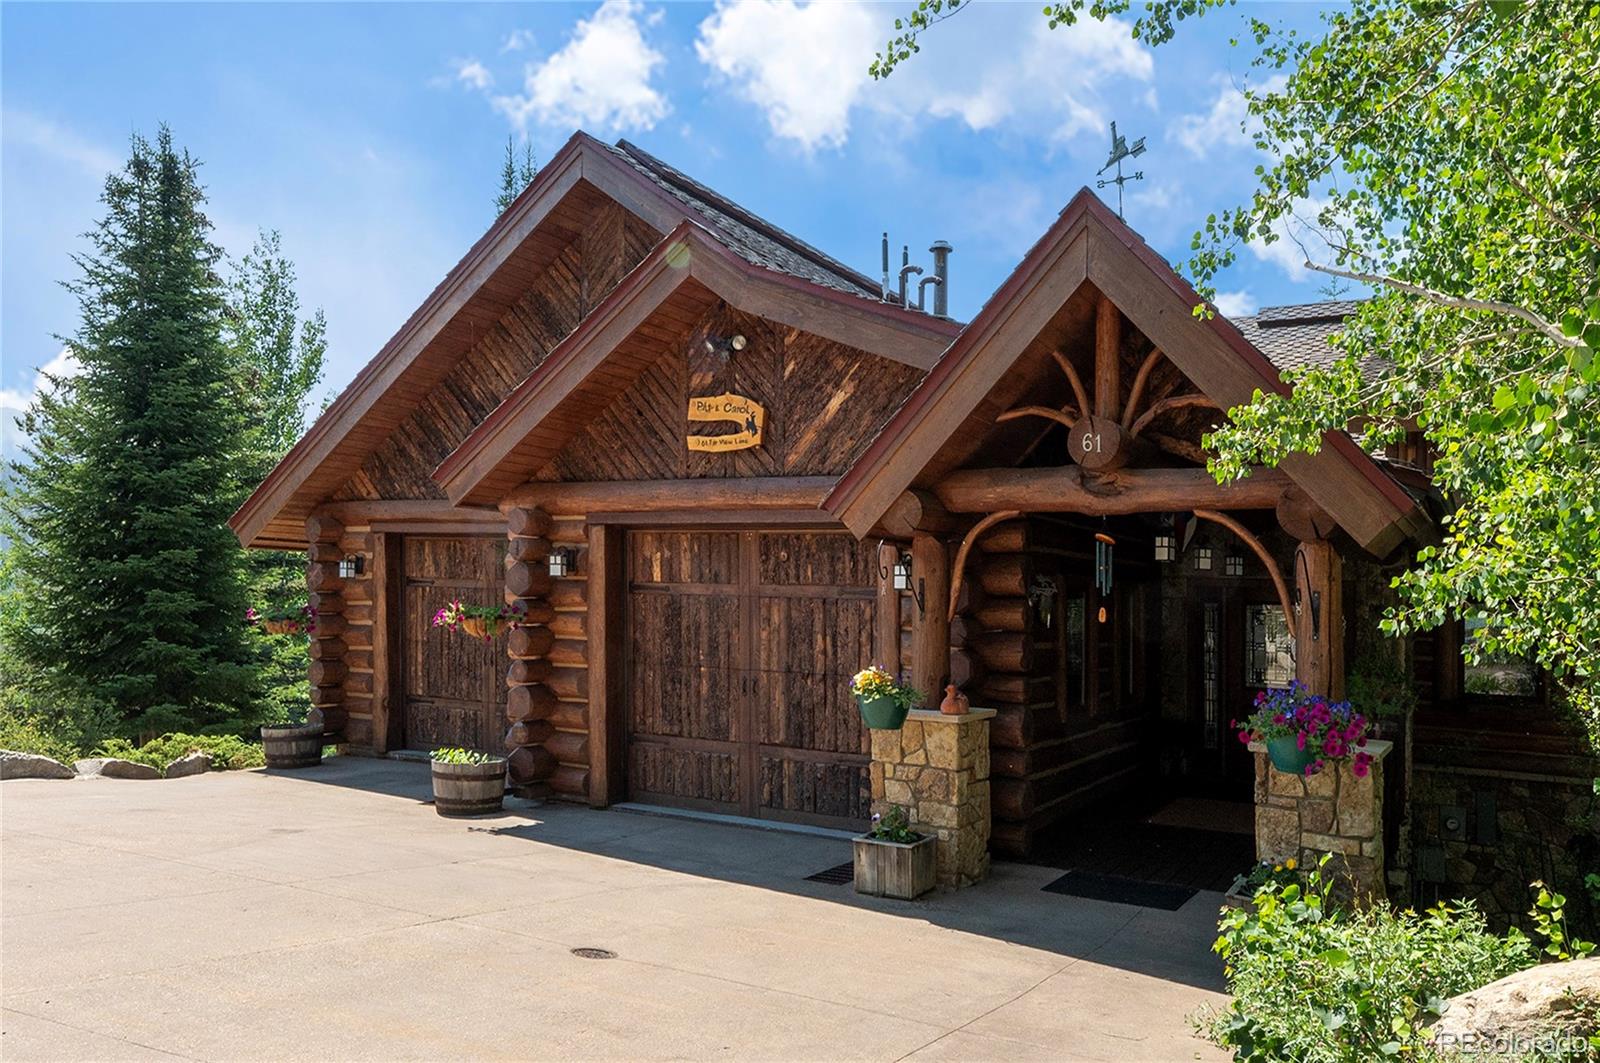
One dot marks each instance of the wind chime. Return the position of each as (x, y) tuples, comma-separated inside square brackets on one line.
[(1104, 553)]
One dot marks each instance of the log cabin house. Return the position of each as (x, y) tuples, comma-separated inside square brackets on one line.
[(721, 471)]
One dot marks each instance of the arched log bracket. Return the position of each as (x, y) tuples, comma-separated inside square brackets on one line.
[(530, 701), (1260, 551), (1078, 390), (966, 547), (1173, 403), (1140, 379), (1060, 416)]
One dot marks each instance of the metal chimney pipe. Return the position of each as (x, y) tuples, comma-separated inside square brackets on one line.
[(941, 269), (886, 267)]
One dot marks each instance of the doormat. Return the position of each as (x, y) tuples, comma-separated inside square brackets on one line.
[(1119, 890), (835, 876)]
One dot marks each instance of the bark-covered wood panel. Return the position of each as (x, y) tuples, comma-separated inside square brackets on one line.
[(564, 293), (741, 646), (824, 403), (454, 691)]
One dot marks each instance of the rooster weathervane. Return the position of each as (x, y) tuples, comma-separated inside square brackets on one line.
[(1120, 151)]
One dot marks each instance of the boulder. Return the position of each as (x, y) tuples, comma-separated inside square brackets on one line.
[(112, 768), (195, 763), (14, 765), (1551, 1000)]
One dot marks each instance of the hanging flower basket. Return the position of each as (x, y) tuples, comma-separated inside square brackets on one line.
[(882, 702), (284, 620), (484, 622), (1304, 733)]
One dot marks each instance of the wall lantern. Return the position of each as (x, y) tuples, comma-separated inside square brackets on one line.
[(1202, 559), (350, 566), (563, 559), (1233, 564), (902, 573), (1166, 547)]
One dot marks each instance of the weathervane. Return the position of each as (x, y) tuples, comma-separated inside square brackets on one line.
[(1120, 151)]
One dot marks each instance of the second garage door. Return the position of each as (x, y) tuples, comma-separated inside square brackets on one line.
[(742, 645)]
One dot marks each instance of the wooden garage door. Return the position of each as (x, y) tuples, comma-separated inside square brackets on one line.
[(742, 645), (455, 690)]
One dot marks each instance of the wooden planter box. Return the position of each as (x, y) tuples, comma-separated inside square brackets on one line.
[(469, 789), (292, 747), (1239, 895), (892, 869)]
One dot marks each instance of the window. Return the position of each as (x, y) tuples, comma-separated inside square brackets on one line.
[(1268, 649), (1075, 677), (1211, 670), (1495, 673)]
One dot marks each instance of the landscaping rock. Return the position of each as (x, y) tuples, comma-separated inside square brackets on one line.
[(195, 763), (1553, 999), (14, 765), (112, 768)]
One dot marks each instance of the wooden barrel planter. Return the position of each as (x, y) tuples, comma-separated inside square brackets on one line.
[(469, 789), (292, 747)]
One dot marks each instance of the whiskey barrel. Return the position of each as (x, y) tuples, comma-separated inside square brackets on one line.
[(469, 789), (292, 747)]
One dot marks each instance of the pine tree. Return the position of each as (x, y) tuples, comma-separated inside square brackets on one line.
[(514, 177), (529, 169), (130, 583)]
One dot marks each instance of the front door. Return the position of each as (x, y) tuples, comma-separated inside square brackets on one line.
[(741, 648), (1240, 647), (454, 691)]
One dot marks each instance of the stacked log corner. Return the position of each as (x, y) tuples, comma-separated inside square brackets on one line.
[(530, 702), (327, 669)]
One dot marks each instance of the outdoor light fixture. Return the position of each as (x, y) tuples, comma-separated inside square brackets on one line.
[(1202, 559), (1233, 564), (562, 561), (902, 573), (350, 566), (1166, 547)]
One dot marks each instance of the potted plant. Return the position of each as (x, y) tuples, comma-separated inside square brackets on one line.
[(300, 619), (467, 782), (882, 702), (479, 621), (294, 745), (1304, 732), (892, 860)]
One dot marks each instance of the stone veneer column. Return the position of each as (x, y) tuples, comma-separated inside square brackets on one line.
[(936, 767), (1332, 811), (529, 701)]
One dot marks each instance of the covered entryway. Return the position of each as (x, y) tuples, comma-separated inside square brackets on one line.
[(454, 690), (741, 647)]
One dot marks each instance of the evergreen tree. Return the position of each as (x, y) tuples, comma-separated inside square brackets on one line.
[(513, 177), (130, 584)]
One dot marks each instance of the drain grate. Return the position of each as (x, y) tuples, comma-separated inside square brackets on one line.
[(594, 954), (835, 876)]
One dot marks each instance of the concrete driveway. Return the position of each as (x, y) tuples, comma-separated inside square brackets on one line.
[(329, 914)]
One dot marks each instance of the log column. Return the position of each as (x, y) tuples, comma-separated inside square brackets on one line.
[(930, 617), (324, 593), (530, 702), (1319, 629)]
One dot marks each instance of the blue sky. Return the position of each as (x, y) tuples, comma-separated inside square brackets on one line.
[(370, 134)]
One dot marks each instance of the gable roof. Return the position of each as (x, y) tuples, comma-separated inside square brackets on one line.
[(1297, 337), (483, 286), (681, 278), (1088, 244)]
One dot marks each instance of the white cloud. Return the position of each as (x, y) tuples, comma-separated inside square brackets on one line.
[(474, 74), (996, 65), (804, 65), (601, 78), (1226, 124), (517, 41), (1298, 239), (51, 138), (1235, 304), (14, 402)]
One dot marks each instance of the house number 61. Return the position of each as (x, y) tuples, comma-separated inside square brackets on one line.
[(1091, 442)]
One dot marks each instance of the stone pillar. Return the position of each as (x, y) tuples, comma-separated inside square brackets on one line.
[(529, 702), (326, 649), (1333, 811), (936, 767)]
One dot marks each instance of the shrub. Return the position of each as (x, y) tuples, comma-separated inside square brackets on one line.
[(227, 752), (456, 755), (1315, 983), (35, 734)]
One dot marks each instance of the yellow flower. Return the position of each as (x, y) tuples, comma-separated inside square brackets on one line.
[(1289, 863), (1278, 867)]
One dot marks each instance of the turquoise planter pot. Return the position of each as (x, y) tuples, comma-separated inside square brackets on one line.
[(1287, 756), (882, 714)]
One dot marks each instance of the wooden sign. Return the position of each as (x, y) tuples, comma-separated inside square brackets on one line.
[(726, 407)]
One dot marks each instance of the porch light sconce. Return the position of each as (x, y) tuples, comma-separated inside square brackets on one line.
[(902, 582), (563, 559), (1166, 547), (1202, 559), (1233, 565), (350, 566), (726, 347)]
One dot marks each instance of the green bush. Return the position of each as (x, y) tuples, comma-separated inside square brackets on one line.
[(36, 734), (1314, 983), (228, 752)]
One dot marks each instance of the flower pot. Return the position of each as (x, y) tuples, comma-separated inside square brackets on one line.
[(469, 789), (882, 714), (476, 626), (1287, 756), (903, 870), (281, 627), (299, 746)]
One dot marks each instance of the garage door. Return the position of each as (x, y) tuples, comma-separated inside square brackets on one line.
[(742, 647), (455, 689)]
